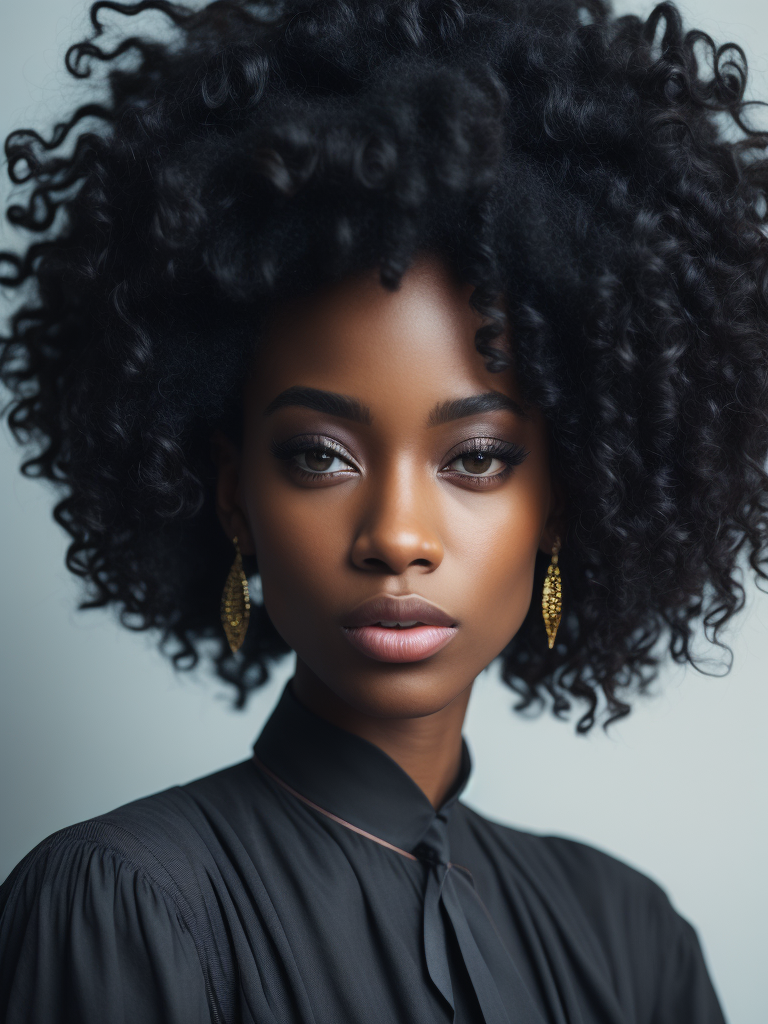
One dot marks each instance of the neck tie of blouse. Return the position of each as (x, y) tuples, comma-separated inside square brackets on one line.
[(451, 901), (451, 895)]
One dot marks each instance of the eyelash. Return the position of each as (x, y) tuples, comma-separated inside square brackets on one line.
[(288, 450), (510, 454)]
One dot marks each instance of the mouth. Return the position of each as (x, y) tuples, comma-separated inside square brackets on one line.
[(399, 629)]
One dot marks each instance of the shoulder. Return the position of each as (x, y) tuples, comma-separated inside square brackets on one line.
[(130, 890), (156, 837), (615, 897), (93, 928), (573, 860), (610, 917)]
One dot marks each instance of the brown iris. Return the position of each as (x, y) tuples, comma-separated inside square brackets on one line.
[(319, 459), (477, 462)]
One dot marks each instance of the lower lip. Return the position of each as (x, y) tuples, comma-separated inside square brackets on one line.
[(400, 645)]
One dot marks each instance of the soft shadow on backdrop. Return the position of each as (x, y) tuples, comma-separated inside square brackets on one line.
[(91, 716)]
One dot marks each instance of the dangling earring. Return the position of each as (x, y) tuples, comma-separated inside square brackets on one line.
[(552, 596), (236, 603)]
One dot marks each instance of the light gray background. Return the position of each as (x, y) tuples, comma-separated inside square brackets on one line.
[(92, 716)]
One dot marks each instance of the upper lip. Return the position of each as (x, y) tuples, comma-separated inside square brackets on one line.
[(386, 608)]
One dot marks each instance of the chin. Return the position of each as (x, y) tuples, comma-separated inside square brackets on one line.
[(399, 691)]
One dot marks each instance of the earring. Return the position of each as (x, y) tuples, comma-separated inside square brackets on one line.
[(552, 596), (236, 603)]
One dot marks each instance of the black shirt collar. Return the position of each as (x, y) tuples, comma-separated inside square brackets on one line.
[(349, 776)]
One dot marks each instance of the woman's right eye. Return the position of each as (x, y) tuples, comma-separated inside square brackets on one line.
[(313, 459), (320, 460)]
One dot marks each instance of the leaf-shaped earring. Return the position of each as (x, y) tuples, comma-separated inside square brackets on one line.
[(236, 603), (552, 596)]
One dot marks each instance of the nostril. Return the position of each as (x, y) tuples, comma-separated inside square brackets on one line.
[(382, 566), (376, 563)]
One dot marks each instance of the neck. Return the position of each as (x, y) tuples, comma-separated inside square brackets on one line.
[(426, 748)]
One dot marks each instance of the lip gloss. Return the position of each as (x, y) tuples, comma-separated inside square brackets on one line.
[(399, 645)]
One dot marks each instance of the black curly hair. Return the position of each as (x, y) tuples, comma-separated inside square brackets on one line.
[(598, 172)]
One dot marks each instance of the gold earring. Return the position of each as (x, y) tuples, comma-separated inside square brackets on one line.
[(552, 596), (236, 603)]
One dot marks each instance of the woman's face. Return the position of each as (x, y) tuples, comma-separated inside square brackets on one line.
[(393, 490)]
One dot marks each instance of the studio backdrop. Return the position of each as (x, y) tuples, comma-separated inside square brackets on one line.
[(93, 716)]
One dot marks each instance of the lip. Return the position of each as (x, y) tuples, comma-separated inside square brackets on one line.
[(415, 643)]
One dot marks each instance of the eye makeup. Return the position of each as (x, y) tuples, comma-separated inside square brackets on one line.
[(477, 462), (483, 461), (314, 456), (508, 452)]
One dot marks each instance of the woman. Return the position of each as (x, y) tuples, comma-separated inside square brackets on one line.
[(448, 321)]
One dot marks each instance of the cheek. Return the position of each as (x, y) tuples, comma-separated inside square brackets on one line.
[(299, 551), (494, 549)]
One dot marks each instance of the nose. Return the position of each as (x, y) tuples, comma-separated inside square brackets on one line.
[(398, 530)]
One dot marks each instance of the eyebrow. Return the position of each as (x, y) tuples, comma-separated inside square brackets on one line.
[(322, 401), (457, 408)]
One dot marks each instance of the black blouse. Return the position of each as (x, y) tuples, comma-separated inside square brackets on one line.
[(315, 884)]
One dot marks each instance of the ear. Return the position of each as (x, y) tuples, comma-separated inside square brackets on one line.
[(229, 505), (554, 527)]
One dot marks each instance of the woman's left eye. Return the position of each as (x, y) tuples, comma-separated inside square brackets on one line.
[(477, 463)]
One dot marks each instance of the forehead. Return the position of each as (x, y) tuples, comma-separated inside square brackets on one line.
[(403, 349)]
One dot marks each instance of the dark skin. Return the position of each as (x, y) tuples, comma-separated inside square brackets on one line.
[(430, 480)]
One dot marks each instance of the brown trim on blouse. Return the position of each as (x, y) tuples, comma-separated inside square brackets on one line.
[(333, 817)]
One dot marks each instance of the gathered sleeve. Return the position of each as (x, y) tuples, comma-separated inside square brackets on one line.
[(86, 936), (685, 992)]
